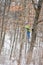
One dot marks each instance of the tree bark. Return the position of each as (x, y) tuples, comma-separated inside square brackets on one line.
[(34, 31)]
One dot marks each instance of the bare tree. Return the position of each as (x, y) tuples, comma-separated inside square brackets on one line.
[(4, 14), (3, 17), (13, 41), (34, 29), (4, 24), (21, 46)]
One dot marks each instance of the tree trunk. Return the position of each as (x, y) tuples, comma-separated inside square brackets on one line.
[(21, 46), (34, 31)]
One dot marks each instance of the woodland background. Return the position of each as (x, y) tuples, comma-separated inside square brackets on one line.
[(14, 46)]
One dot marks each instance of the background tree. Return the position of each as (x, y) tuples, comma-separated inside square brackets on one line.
[(34, 29)]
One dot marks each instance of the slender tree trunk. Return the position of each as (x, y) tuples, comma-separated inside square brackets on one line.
[(13, 42), (17, 36), (9, 6), (2, 41), (21, 46), (3, 36), (3, 18)]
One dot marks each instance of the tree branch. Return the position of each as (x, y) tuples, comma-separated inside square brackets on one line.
[(39, 21), (34, 5)]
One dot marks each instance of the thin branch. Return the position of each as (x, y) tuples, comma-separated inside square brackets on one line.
[(39, 21), (34, 5)]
